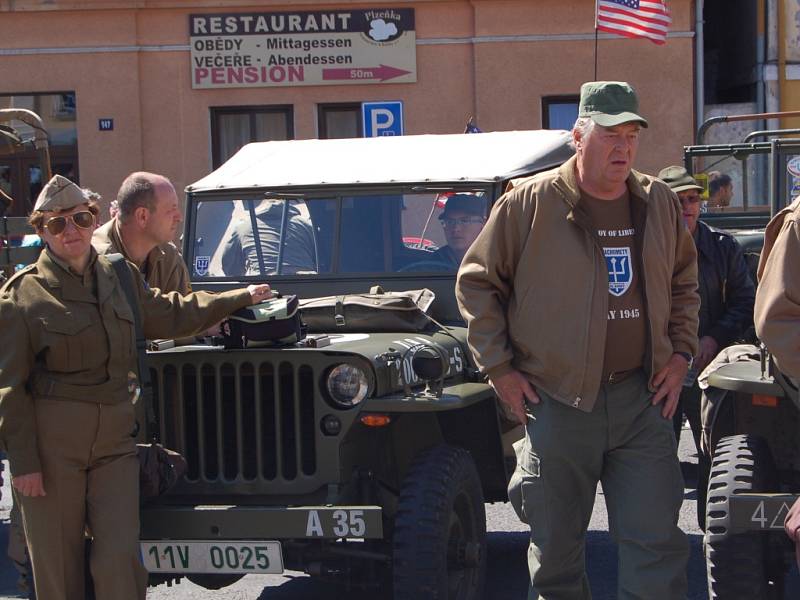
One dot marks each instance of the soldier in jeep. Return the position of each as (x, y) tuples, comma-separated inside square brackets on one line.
[(462, 219)]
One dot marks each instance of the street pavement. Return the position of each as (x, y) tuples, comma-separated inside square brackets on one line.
[(507, 568)]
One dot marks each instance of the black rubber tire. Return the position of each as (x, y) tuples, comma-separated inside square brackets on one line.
[(214, 582), (439, 543), (741, 565)]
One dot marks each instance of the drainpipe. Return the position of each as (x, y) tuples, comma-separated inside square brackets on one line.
[(699, 69), (774, 60)]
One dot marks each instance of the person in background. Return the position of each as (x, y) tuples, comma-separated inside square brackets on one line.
[(463, 217), (720, 190), (726, 302), (66, 415), (143, 231), (554, 297)]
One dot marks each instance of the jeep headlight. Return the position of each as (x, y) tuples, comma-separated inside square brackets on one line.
[(347, 385)]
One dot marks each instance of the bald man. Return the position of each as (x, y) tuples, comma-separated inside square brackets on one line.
[(143, 230)]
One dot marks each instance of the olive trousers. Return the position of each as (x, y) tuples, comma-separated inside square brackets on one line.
[(627, 446), (91, 480)]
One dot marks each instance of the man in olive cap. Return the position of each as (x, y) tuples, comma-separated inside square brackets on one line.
[(553, 291), (726, 305)]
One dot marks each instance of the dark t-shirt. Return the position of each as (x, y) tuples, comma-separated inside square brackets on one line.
[(626, 337)]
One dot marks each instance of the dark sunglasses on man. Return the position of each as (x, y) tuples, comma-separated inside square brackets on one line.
[(83, 220)]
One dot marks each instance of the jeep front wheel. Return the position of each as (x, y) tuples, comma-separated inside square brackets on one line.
[(439, 543), (739, 565)]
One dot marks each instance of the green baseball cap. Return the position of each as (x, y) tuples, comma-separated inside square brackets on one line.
[(678, 179), (609, 103)]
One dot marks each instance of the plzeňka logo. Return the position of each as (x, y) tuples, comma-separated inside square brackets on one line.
[(384, 26)]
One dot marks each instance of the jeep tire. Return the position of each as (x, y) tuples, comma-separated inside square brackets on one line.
[(740, 565), (439, 543)]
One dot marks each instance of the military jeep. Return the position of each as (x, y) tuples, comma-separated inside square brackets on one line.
[(360, 456), (750, 468)]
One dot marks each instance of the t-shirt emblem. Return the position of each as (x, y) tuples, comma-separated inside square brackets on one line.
[(620, 272), (201, 265)]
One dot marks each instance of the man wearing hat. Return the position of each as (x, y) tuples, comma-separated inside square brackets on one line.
[(462, 219), (726, 293), (580, 297)]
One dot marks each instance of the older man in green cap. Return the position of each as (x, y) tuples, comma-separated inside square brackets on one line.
[(580, 296)]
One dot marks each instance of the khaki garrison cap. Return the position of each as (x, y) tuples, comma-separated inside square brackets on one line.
[(60, 194)]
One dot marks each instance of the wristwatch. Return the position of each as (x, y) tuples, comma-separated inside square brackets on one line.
[(689, 358)]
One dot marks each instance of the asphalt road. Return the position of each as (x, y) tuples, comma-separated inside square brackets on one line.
[(507, 569)]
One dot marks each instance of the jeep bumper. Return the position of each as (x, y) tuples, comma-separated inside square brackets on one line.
[(259, 522)]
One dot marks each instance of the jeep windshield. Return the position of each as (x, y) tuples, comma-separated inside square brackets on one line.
[(378, 232)]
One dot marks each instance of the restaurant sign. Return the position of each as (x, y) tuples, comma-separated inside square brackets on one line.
[(303, 48)]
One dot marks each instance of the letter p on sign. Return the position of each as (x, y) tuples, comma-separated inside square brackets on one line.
[(382, 118)]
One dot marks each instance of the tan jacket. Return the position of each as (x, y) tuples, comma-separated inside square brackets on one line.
[(777, 307), (163, 268), (533, 287), (72, 338)]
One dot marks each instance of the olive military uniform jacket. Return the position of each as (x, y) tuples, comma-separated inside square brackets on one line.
[(777, 308), (163, 268), (533, 287), (71, 337)]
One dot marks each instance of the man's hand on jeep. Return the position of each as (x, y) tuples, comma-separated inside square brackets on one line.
[(514, 389), (260, 292)]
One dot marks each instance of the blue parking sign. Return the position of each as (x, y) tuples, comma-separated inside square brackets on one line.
[(382, 118)]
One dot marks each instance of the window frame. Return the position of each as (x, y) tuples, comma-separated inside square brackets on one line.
[(548, 101), (250, 110), (322, 108)]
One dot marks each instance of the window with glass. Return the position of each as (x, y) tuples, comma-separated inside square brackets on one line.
[(20, 163), (559, 112), (233, 127), (380, 232), (337, 121)]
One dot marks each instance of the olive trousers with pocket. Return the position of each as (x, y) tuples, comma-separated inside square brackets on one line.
[(91, 480), (627, 446)]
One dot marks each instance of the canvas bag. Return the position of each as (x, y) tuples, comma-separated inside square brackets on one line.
[(374, 312), (274, 322)]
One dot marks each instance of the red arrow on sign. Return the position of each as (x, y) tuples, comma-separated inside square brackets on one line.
[(382, 72)]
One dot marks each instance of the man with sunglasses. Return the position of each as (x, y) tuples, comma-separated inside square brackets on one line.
[(66, 415), (462, 219), (726, 303), (143, 230)]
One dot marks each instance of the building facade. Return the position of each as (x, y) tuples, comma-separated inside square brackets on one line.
[(176, 86)]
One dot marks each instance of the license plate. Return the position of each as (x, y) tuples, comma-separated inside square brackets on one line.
[(212, 557)]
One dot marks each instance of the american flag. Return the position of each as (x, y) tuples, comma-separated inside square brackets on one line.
[(634, 18)]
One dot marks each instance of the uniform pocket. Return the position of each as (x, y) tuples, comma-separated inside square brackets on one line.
[(63, 340)]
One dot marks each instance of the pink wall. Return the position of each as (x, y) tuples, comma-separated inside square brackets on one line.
[(162, 124)]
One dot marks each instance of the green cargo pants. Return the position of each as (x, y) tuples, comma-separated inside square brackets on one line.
[(627, 445)]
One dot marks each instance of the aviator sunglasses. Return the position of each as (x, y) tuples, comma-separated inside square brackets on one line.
[(83, 220)]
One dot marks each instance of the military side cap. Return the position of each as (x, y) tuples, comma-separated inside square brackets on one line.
[(679, 180), (609, 103), (60, 194)]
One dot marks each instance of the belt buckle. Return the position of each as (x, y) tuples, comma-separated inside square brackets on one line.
[(616, 377)]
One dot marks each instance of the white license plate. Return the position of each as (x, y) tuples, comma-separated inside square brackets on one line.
[(181, 556)]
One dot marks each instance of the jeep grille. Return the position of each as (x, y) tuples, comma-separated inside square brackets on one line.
[(237, 422)]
